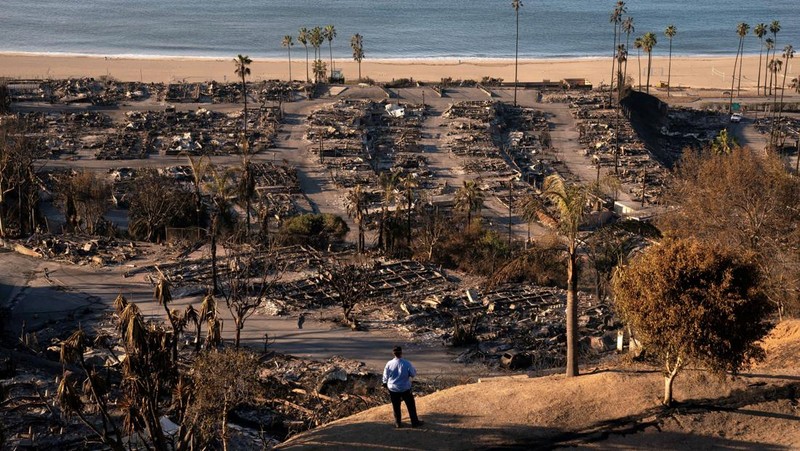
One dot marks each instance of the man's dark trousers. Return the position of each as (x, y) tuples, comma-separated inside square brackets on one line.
[(408, 398)]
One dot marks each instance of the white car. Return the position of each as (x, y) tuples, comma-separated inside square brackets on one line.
[(736, 118)]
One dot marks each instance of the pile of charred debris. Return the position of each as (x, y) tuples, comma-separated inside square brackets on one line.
[(106, 91), (357, 139), (76, 249), (611, 142), (294, 394), (141, 133), (786, 129)]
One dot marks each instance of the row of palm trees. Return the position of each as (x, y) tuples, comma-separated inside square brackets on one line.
[(623, 24), (316, 37)]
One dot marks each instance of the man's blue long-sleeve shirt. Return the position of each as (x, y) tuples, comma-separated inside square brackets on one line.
[(397, 375)]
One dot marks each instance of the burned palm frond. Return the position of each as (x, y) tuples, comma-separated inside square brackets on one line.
[(72, 348), (120, 303), (214, 336), (162, 293), (133, 329), (191, 315), (132, 421), (208, 308), (67, 395), (94, 387)]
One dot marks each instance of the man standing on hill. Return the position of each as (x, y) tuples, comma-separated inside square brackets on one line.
[(397, 379)]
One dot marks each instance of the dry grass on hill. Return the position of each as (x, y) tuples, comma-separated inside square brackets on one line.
[(615, 408)]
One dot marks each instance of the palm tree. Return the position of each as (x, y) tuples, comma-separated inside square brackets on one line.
[(357, 44), (648, 42), (570, 203), (622, 57), (357, 209), (638, 43), (516, 4), (288, 43), (760, 31), (628, 28), (615, 20), (388, 182), (409, 183), (774, 67), (774, 28), (469, 198), (769, 44), (670, 32), (320, 70), (302, 38), (316, 40), (243, 70), (788, 53), (742, 28), (531, 206), (329, 33)]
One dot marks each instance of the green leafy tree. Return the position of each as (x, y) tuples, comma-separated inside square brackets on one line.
[(745, 200), (316, 230), (691, 302)]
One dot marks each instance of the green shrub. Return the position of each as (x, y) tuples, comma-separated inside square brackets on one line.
[(316, 230)]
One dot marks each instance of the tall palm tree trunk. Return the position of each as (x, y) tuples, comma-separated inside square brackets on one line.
[(290, 63), (649, 65), (733, 77), (572, 315), (783, 88), (639, 58), (741, 60), (308, 78), (625, 70), (330, 49), (669, 69), (516, 61), (760, 53), (613, 63)]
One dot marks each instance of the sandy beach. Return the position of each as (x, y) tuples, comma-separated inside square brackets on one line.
[(695, 72)]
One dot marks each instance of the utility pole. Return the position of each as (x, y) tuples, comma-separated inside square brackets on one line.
[(644, 184), (510, 200)]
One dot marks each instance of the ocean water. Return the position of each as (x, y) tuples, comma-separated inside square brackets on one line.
[(391, 29)]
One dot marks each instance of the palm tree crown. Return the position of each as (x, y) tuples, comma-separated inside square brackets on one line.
[(649, 41), (329, 33), (670, 33), (302, 38)]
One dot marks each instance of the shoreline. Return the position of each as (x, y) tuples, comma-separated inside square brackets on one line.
[(692, 71)]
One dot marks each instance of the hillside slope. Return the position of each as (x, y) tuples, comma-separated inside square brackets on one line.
[(616, 408)]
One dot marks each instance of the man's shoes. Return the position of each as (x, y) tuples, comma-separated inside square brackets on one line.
[(417, 424), (398, 425)]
